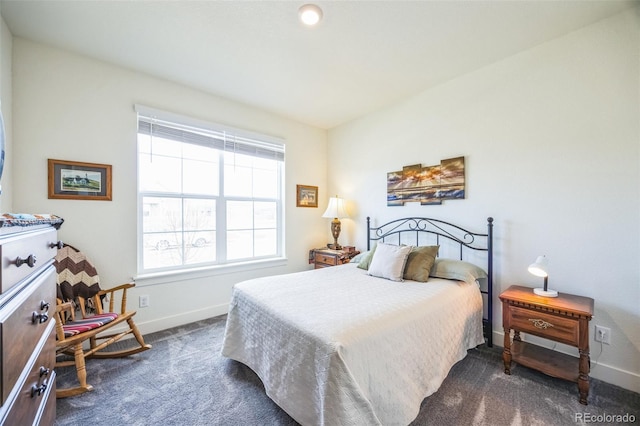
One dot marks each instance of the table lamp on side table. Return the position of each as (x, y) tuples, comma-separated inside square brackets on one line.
[(540, 269), (336, 210)]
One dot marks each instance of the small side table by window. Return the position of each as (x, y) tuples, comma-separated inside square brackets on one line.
[(325, 257), (563, 319)]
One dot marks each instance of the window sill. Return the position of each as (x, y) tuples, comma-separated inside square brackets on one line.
[(164, 277)]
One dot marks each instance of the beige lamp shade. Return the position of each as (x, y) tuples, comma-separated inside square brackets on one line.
[(336, 209)]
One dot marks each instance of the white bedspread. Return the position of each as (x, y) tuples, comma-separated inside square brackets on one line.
[(335, 346)]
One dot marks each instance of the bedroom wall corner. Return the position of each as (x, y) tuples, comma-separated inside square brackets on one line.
[(72, 107), (550, 139)]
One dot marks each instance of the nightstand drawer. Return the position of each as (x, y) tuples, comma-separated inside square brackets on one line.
[(561, 329), (325, 259)]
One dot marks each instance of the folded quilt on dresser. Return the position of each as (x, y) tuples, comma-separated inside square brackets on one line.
[(337, 346)]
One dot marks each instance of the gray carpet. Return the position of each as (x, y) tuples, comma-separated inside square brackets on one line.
[(184, 380)]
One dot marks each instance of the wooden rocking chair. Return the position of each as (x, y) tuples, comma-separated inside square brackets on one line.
[(78, 287)]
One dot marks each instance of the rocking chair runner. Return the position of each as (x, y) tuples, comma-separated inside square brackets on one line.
[(78, 286)]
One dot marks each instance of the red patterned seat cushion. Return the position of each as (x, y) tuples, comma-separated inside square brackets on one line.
[(78, 326)]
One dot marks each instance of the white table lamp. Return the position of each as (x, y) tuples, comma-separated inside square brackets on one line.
[(540, 269)]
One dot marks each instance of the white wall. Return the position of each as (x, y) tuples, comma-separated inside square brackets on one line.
[(550, 137), (551, 143), (6, 48), (74, 108)]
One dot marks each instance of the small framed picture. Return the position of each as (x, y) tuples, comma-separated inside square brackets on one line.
[(73, 180), (306, 196)]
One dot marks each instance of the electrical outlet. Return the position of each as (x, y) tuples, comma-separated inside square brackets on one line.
[(603, 334), (143, 302)]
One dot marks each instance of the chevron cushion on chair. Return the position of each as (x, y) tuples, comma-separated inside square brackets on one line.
[(71, 328), (76, 274)]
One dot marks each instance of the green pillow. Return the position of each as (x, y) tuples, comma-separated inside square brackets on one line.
[(420, 262), (365, 260), (457, 270)]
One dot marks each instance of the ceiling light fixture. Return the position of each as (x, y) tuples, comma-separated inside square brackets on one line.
[(310, 14)]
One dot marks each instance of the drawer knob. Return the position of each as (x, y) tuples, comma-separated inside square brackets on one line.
[(539, 323), (38, 390), (39, 318), (57, 245), (44, 305), (44, 372), (30, 261)]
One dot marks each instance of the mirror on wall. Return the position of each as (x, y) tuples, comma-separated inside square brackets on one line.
[(1, 148)]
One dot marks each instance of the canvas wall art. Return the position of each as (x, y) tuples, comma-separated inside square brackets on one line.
[(428, 184)]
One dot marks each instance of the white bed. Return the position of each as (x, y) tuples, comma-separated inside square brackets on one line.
[(336, 346)]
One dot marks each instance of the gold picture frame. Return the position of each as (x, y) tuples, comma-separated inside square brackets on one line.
[(306, 196), (74, 180)]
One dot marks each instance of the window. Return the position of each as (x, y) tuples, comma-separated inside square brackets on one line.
[(207, 195)]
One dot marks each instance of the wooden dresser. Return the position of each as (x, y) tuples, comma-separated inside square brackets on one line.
[(27, 325)]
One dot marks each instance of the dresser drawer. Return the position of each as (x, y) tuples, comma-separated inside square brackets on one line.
[(38, 390), (48, 413), (326, 259), (561, 329), (23, 321), (33, 249)]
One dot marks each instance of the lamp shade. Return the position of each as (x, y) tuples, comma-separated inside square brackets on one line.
[(540, 267), (336, 208)]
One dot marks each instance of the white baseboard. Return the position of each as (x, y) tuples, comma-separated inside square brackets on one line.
[(607, 373), (183, 318), (147, 327)]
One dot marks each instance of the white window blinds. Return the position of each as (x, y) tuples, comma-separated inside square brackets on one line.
[(165, 125)]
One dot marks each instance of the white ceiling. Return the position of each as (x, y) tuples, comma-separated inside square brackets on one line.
[(363, 56)]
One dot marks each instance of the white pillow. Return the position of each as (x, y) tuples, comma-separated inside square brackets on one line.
[(388, 261)]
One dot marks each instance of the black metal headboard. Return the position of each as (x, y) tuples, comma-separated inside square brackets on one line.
[(398, 229)]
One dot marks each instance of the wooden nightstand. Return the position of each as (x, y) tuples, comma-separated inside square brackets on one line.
[(563, 319), (324, 257)]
